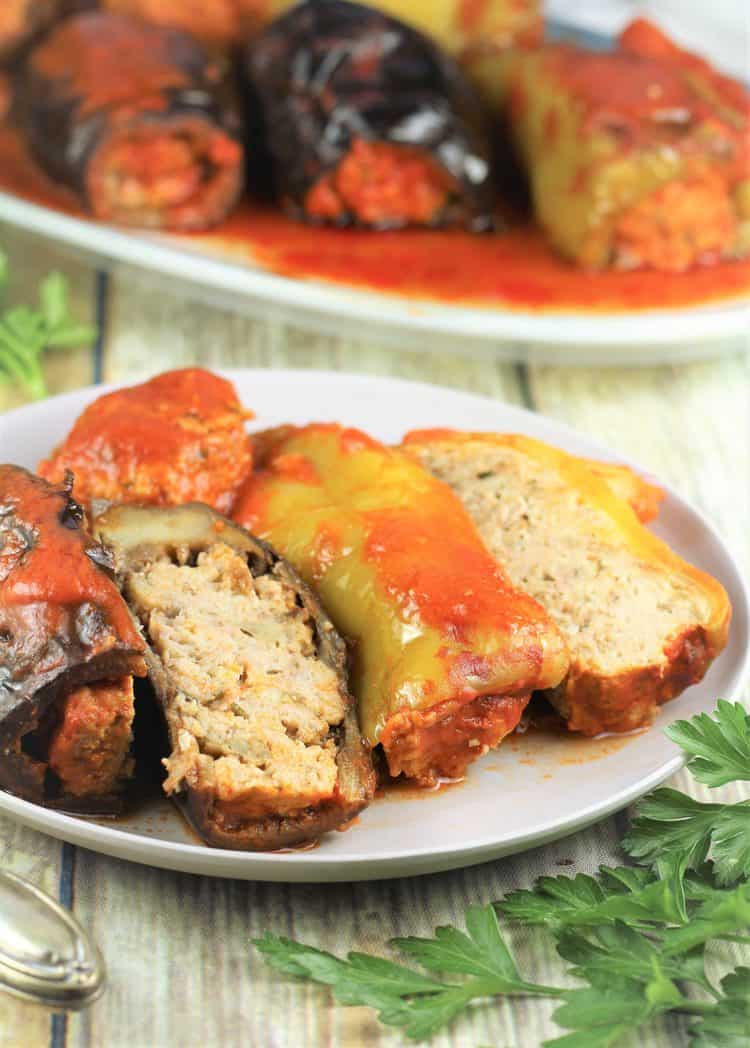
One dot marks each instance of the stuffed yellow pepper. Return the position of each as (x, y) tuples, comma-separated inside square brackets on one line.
[(446, 652)]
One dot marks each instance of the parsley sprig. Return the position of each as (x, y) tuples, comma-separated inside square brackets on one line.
[(636, 936), (25, 333)]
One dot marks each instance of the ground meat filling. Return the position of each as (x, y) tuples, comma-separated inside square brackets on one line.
[(379, 184), (178, 176), (90, 749), (684, 223), (253, 712), (620, 613), (440, 743)]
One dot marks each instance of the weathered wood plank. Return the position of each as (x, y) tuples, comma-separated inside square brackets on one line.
[(150, 330), (183, 971), (37, 857), (30, 260)]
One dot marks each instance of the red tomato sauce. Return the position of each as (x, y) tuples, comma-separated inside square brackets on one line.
[(508, 270), (408, 550), (173, 439), (51, 566)]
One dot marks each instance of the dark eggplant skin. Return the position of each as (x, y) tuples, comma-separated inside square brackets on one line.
[(328, 72), (87, 79), (138, 534), (63, 623)]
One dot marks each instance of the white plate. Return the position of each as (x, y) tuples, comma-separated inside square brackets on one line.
[(632, 339), (610, 338), (532, 790)]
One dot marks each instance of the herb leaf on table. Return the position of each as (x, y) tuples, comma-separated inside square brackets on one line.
[(728, 1023), (405, 998), (26, 333), (636, 936), (719, 746)]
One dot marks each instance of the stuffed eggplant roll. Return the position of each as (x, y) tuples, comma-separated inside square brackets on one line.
[(250, 675), (68, 649), (136, 119), (368, 122), (179, 437), (445, 651)]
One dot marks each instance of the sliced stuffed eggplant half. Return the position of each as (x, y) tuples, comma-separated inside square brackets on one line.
[(250, 674), (68, 650)]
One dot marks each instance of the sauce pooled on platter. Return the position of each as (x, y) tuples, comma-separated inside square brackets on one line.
[(515, 269)]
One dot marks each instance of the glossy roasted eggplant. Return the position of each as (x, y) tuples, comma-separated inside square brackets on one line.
[(136, 119), (68, 648), (368, 122), (250, 675)]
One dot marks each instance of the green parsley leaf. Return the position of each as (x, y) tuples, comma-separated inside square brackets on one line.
[(553, 900), (719, 745), (405, 998), (592, 1007), (598, 1037), (600, 1016), (53, 300), (294, 958), (632, 894), (727, 1024), (678, 832), (26, 333), (618, 951), (723, 914), (482, 952)]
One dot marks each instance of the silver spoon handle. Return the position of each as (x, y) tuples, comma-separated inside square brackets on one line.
[(45, 954)]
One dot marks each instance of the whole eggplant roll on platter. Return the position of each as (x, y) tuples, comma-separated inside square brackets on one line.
[(446, 652), (136, 119), (265, 751), (68, 650), (367, 122), (180, 437)]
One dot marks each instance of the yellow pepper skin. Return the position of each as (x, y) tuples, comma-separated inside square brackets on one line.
[(445, 651)]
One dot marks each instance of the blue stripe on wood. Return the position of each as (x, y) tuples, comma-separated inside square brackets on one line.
[(101, 296)]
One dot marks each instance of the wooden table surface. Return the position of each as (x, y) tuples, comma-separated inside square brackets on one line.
[(182, 972)]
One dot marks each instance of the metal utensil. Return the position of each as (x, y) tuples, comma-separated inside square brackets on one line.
[(45, 954)]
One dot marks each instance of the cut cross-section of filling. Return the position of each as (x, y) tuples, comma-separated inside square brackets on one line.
[(90, 749), (641, 624), (380, 184), (177, 173), (253, 710)]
